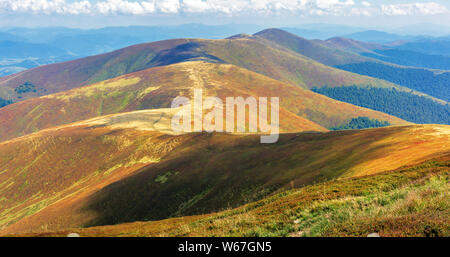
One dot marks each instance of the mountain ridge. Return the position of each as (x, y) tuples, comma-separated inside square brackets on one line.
[(139, 158), (280, 64), (300, 109)]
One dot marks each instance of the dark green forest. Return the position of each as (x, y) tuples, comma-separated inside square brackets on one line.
[(362, 123), (25, 88), (4, 102), (405, 105), (422, 80)]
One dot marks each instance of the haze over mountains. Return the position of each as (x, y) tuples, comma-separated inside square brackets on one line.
[(88, 142), (76, 43)]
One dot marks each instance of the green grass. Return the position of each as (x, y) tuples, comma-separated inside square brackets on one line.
[(335, 217), (164, 177), (410, 201)]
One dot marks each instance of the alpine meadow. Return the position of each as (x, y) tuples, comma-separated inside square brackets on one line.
[(138, 118)]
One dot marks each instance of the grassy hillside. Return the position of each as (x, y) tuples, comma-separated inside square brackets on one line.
[(276, 61), (44, 168), (64, 76), (61, 181), (88, 143), (75, 160), (300, 109), (362, 58), (410, 201), (253, 53), (331, 54), (352, 45)]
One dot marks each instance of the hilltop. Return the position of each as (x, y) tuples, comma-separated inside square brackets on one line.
[(300, 109), (373, 60), (251, 52), (329, 54), (273, 53), (354, 45)]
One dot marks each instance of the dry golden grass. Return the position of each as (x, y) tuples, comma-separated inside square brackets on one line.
[(155, 88), (55, 178)]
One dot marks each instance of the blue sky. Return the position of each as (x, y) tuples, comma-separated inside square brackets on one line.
[(100, 13)]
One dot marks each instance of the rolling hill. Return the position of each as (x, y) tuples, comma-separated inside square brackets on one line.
[(252, 52), (352, 56), (370, 59), (87, 145), (54, 164), (300, 109), (353, 45), (84, 42), (330, 54), (55, 178)]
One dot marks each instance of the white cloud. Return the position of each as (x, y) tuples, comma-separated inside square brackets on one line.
[(149, 7), (168, 6), (361, 12), (78, 7), (328, 4), (227, 7), (196, 6), (45, 6), (366, 4), (120, 6), (430, 8)]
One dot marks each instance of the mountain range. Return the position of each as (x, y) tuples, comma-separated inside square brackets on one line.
[(85, 42), (274, 53), (86, 145)]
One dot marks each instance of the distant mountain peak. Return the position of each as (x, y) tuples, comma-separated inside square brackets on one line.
[(276, 32), (271, 30), (353, 45), (340, 39), (241, 36)]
